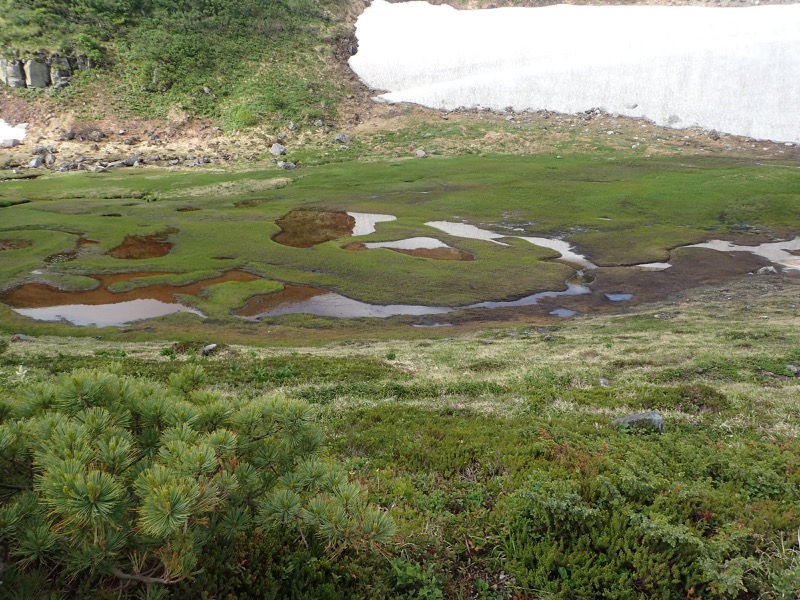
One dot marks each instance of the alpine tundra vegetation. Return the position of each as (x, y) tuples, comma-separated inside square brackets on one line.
[(262, 336)]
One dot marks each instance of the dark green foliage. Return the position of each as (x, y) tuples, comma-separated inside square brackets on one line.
[(106, 477)]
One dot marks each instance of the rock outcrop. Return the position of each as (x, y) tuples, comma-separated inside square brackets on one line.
[(36, 73)]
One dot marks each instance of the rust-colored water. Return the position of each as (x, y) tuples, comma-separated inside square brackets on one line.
[(37, 295)]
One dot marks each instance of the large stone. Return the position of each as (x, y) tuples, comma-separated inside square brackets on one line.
[(59, 67), (9, 143), (648, 420), (277, 149), (341, 138), (36, 163), (15, 76), (37, 74)]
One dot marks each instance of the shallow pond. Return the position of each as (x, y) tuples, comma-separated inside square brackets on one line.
[(102, 307)]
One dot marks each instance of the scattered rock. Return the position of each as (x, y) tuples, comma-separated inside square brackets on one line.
[(341, 138), (713, 134), (420, 153), (68, 135), (286, 164), (95, 135), (281, 137), (604, 382), (793, 368), (9, 143), (36, 163), (318, 123), (40, 150), (130, 161), (648, 420), (50, 159), (767, 271), (210, 349), (292, 126), (277, 149)]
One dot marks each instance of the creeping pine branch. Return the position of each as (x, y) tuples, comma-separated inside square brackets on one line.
[(143, 578)]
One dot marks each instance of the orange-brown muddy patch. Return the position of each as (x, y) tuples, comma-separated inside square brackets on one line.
[(290, 294), (434, 253), (39, 295), (14, 244), (135, 247), (306, 227)]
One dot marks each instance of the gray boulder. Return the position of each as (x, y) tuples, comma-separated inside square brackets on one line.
[(210, 349), (68, 135), (277, 149), (341, 138), (794, 369), (95, 136), (116, 163), (770, 270), (40, 150), (21, 337), (287, 165), (9, 143), (36, 163), (648, 420), (318, 123), (37, 74), (50, 159), (15, 75), (420, 153), (130, 161), (59, 68)]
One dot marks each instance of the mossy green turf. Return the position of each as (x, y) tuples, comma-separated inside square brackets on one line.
[(618, 211)]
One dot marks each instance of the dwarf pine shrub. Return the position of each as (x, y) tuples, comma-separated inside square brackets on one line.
[(110, 481)]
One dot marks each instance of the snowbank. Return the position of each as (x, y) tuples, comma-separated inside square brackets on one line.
[(7, 132), (736, 70)]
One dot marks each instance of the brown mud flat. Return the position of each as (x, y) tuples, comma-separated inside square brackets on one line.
[(692, 269), (40, 295), (69, 255), (434, 253), (307, 227), (14, 244), (135, 247), (290, 294)]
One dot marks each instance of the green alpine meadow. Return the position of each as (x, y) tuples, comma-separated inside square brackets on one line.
[(263, 337)]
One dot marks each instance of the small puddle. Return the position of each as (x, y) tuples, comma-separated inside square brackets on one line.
[(656, 266), (102, 307), (307, 227), (135, 247), (563, 313), (780, 253), (619, 297)]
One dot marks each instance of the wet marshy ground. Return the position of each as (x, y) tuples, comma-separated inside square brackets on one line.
[(421, 247), (14, 244), (103, 307), (144, 246), (305, 228)]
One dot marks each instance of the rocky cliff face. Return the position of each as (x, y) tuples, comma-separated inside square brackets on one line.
[(54, 71)]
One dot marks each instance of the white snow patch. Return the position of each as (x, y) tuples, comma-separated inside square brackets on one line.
[(8, 132), (415, 243), (365, 222), (731, 69), (780, 253)]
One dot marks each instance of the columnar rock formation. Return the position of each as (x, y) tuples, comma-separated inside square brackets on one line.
[(35, 73)]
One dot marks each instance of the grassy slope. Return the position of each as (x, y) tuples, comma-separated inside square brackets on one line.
[(448, 432)]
